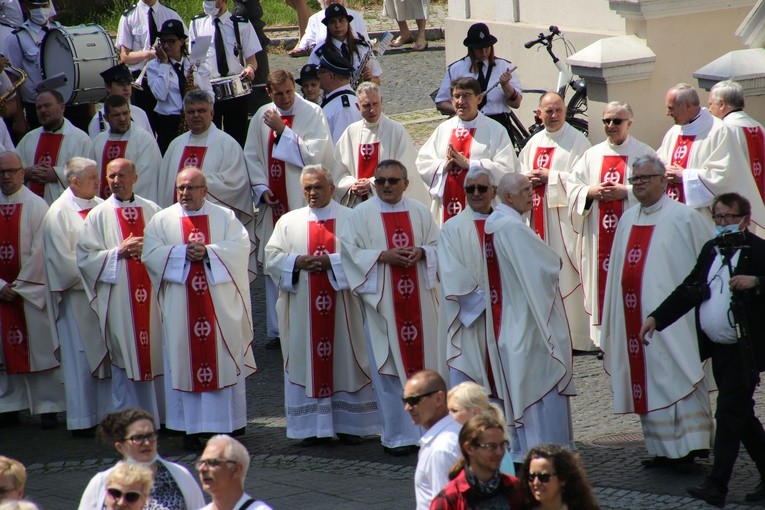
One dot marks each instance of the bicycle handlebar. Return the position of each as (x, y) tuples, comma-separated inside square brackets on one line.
[(544, 39)]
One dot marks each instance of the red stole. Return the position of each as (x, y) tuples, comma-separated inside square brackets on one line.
[(406, 294), (131, 222), (13, 324), (201, 312), (113, 149), (495, 293), (632, 287), (369, 156), (84, 212), (323, 299), (756, 147), (192, 156), (277, 175), (46, 153), (680, 155), (613, 169), (542, 159), (454, 192)]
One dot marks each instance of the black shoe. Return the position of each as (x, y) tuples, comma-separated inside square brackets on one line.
[(709, 493), (349, 439), (400, 451), (314, 441), (48, 421), (84, 433), (655, 462), (758, 494), (9, 419), (238, 432), (274, 344), (192, 443)]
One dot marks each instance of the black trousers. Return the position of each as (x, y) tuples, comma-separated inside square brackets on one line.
[(736, 421), (231, 117), (167, 130)]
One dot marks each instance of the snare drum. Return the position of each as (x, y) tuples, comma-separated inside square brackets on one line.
[(229, 87), (81, 53)]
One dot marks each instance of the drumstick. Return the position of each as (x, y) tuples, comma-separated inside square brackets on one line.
[(139, 79), (497, 82)]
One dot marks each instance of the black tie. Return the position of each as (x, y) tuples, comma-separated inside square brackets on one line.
[(181, 77), (152, 27), (220, 49), (483, 81), (344, 51)]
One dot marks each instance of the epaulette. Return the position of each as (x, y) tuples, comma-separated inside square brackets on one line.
[(458, 60), (6, 24), (319, 51), (129, 10), (346, 102), (239, 19), (198, 16), (502, 59), (362, 42)]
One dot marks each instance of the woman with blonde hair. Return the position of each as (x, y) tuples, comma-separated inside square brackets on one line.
[(128, 487)]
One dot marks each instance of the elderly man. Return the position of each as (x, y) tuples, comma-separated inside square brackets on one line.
[(469, 139), (13, 478), (118, 82), (284, 136), (655, 244), (469, 273), (598, 194), (44, 150), (222, 471), (84, 358), (367, 142), (726, 102), (533, 339), (196, 254), (425, 401), (125, 139), (703, 158), (327, 387), (389, 258), (120, 292), (548, 158), (340, 107), (219, 157), (31, 376)]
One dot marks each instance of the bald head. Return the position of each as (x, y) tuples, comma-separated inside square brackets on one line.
[(191, 188), (121, 176), (11, 173)]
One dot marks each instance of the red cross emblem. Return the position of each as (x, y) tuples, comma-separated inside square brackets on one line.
[(141, 295), (199, 282), (323, 302), (324, 348), (400, 238), (202, 328), (130, 214), (409, 333), (630, 300), (367, 150), (204, 374), (405, 286), (197, 236)]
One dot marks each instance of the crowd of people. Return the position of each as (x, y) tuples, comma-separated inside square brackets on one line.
[(390, 273)]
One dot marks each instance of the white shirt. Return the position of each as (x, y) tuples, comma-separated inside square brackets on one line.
[(316, 32), (361, 50), (714, 317), (255, 505), (163, 81), (249, 40), (497, 100), (439, 450), (133, 30), (341, 111), (23, 51), (98, 123)]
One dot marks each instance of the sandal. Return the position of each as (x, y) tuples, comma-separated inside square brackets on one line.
[(398, 41), (420, 47)]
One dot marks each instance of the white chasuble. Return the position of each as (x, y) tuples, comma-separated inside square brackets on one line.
[(750, 136)]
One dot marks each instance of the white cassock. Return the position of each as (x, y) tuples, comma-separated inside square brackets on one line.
[(714, 164), (327, 386), (30, 377), (363, 145), (663, 382), (595, 222), (750, 136), (98, 123), (84, 358), (137, 145), (402, 343), (54, 148), (558, 152), (120, 292), (221, 159), (482, 140), (275, 164), (204, 381), (534, 342)]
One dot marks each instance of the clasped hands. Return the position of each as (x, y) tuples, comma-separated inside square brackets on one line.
[(607, 191), (455, 159), (195, 252), (131, 247), (313, 263), (538, 176), (403, 257)]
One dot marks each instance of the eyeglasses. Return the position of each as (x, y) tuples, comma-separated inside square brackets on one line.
[(141, 438), (168, 41), (130, 497), (616, 122), (727, 217), (212, 463), (414, 400), (480, 187), (543, 477), (463, 95), (380, 181), (493, 446), (640, 179), (188, 188), (10, 171)]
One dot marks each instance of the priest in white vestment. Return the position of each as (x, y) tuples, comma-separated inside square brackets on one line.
[(284, 136), (44, 151), (389, 258), (367, 142), (655, 246), (327, 386), (120, 292), (30, 377), (548, 158), (125, 139), (196, 254), (84, 359), (468, 139), (533, 339), (598, 194), (219, 157), (703, 158)]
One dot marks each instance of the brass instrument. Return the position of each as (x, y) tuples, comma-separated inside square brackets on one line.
[(16, 85), (183, 125), (382, 46), (139, 80)]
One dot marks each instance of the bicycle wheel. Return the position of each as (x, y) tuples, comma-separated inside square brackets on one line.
[(518, 134), (577, 106), (580, 124)]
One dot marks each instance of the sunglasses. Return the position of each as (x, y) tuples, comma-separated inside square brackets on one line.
[(616, 122), (493, 446), (413, 401), (380, 181), (543, 477), (130, 497), (480, 187)]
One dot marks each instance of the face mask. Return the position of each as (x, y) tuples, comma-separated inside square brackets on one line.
[(41, 16), (726, 229), (209, 8)]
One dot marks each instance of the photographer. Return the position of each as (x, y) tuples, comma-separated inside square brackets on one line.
[(725, 289)]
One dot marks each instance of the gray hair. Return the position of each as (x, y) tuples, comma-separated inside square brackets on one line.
[(652, 162), (729, 91), (197, 96), (76, 166), (477, 171), (620, 106), (392, 162), (510, 183), (685, 93), (233, 450), (21, 504), (366, 86), (317, 170)]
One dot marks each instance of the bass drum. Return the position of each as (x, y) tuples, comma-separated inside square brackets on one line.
[(81, 53)]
